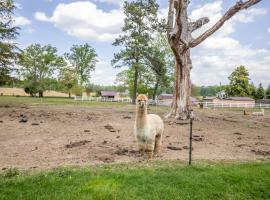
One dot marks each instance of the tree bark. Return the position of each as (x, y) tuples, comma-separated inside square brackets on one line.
[(135, 83), (182, 89), (40, 93), (155, 90)]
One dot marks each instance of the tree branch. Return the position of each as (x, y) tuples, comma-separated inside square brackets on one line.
[(170, 18), (231, 12), (192, 26)]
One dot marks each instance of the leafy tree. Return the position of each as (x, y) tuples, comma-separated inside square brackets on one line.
[(159, 59), (8, 32), (38, 64), (239, 82), (67, 78), (209, 90), (195, 90), (155, 59), (260, 92), (253, 90), (83, 58), (267, 92), (140, 21), (4, 76)]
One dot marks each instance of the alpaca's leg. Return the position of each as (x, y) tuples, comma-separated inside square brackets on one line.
[(141, 148), (150, 149), (158, 143)]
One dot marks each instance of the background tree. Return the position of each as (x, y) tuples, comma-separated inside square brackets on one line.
[(37, 65), (179, 33), (252, 90), (159, 59), (260, 92), (155, 60), (8, 32), (239, 82), (195, 90), (68, 79), (140, 21), (83, 58), (267, 92)]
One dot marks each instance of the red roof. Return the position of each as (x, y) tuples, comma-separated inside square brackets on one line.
[(108, 93), (165, 96)]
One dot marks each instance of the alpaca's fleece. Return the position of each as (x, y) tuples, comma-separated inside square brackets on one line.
[(148, 128)]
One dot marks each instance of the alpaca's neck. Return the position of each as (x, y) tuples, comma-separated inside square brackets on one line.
[(141, 117)]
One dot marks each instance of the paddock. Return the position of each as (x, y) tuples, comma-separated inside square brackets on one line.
[(42, 136)]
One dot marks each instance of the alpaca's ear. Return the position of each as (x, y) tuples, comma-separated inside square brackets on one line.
[(147, 94), (137, 94)]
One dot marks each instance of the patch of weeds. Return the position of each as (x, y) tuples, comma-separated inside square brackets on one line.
[(11, 173)]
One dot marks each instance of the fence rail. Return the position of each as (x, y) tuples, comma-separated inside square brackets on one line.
[(235, 105), (101, 99)]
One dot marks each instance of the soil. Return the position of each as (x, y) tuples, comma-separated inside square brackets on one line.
[(41, 137)]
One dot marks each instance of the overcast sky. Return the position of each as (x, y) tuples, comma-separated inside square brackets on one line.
[(244, 40)]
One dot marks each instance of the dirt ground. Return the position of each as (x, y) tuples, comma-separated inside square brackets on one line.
[(40, 137)]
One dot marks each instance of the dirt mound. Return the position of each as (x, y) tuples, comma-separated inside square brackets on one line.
[(77, 144)]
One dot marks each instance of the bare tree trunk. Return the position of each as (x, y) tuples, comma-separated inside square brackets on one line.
[(155, 90), (69, 93), (179, 33), (135, 83), (40, 93), (182, 88)]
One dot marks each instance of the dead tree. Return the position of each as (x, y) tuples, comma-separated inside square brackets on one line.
[(179, 31)]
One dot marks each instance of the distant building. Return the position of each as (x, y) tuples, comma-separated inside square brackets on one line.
[(263, 101), (230, 100), (110, 94), (211, 100)]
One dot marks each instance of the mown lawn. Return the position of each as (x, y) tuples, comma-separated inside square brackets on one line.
[(158, 180), (12, 100)]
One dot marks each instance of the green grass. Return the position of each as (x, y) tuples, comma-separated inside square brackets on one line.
[(158, 180), (12, 100)]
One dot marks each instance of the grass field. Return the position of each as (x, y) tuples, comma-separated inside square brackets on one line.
[(157, 180), (11, 100)]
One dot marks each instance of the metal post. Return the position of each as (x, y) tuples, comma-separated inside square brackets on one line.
[(190, 138)]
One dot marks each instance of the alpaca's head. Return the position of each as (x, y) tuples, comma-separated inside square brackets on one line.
[(142, 101)]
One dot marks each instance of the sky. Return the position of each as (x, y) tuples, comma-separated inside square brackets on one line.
[(243, 40)]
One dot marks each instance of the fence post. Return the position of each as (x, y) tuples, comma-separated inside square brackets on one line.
[(190, 137)]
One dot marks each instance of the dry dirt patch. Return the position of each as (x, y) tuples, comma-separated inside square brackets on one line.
[(51, 136)]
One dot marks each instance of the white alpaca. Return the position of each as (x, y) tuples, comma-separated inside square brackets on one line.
[(148, 129), (258, 113)]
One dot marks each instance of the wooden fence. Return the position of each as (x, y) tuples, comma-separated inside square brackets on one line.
[(101, 99), (235, 105)]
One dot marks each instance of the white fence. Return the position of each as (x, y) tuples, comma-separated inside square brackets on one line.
[(101, 99), (235, 105)]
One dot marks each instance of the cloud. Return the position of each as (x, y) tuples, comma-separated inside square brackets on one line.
[(89, 22), (21, 21), (104, 74), (269, 30), (249, 15), (40, 16), (215, 58), (30, 30)]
